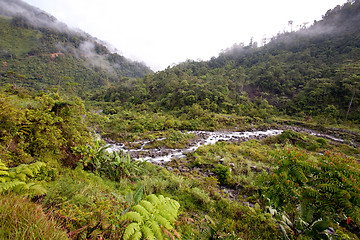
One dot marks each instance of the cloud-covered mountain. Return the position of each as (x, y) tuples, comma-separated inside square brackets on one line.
[(33, 42)]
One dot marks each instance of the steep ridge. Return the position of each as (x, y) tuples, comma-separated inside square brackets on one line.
[(38, 51)]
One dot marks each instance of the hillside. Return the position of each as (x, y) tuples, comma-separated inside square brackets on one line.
[(313, 71), (39, 52)]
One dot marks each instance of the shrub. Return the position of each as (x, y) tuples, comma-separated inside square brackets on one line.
[(223, 173)]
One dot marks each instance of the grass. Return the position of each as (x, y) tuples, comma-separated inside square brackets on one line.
[(22, 219)]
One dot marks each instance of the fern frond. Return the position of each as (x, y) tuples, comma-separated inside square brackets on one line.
[(162, 198), (12, 174), (175, 204), (4, 173), (36, 167), (28, 186), (3, 166), (27, 170), (156, 229), (167, 215), (37, 189), (130, 230), (140, 209), (163, 221), (10, 185), (147, 233), (328, 187), (137, 235), (153, 217), (147, 205), (153, 199), (138, 194), (21, 176), (133, 216)]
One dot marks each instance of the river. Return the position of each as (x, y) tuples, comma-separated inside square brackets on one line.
[(203, 138)]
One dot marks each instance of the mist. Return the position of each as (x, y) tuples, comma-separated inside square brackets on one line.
[(34, 16)]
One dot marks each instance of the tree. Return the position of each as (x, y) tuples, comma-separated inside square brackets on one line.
[(290, 23), (353, 84), (350, 81)]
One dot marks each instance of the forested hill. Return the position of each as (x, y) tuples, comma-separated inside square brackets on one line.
[(39, 52), (312, 71)]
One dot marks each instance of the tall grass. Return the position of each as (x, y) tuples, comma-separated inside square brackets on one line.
[(22, 219)]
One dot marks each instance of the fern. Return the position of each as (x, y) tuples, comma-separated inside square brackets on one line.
[(131, 229), (3, 171), (140, 209), (153, 216), (310, 188), (6, 186), (163, 221), (147, 233), (156, 230), (153, 199), (18, 179), (133, 216), (147, 205)]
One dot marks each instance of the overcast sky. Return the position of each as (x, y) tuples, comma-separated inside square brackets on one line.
[(163, 32)]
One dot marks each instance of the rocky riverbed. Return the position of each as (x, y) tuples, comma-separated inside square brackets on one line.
[(163, 154), (140, 150)]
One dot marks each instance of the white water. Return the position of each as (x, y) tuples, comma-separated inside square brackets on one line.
[(204, 138)]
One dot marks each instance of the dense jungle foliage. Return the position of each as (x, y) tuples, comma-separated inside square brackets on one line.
[(313, 71), (58, 179)]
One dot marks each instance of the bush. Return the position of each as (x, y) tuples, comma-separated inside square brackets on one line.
[(223, 173)]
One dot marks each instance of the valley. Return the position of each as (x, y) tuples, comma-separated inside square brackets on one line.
[(259, 142)]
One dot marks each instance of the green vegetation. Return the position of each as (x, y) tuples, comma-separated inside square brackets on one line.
[(59, 181), (50, 60), (22, 219), (312, 193), (151, 217)]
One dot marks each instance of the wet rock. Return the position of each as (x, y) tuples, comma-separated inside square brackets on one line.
[(249, 204), (254, 168)]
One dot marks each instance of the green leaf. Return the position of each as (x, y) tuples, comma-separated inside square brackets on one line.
[(147, 205), (138, 194), (156, 229), (133, 216), (140, 209), (4, 173), (10, 185), (147, 233), (153, 199), (163, 221), (137, 235), (130, 230)]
